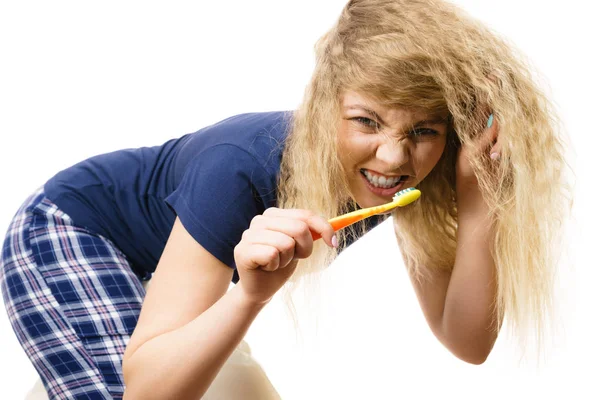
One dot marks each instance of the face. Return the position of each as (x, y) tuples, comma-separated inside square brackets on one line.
[(384, 150)]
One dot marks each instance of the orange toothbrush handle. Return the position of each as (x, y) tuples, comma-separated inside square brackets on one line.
[(315, 236), (348, 219), (401, 199)]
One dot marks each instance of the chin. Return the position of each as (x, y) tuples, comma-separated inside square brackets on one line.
[(369, 200)]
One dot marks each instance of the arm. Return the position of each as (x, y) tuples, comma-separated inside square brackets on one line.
[(182, 333), (190, 324), (459, 305)]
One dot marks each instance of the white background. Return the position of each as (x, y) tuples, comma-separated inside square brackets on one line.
[(82, 78)]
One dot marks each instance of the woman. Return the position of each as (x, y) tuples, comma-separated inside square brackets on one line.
[(405, 93)]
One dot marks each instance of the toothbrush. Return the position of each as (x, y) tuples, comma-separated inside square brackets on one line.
[(402, 198)]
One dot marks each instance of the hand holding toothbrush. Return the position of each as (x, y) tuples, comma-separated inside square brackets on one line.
[(268, 253)]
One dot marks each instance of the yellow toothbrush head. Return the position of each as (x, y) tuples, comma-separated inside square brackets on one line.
[(406, 196)]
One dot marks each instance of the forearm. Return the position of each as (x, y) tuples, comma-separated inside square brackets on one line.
[(468, 322), (182, 364)]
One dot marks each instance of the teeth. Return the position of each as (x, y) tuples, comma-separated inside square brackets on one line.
[(381, 181)]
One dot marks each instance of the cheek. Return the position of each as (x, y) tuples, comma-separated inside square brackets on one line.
[(428, 154), (353, 148)]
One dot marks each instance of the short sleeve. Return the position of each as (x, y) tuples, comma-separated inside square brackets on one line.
[(220, 192)]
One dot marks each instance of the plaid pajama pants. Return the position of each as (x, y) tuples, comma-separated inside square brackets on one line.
[(72, 299)]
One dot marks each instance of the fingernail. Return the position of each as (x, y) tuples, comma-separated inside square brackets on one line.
[(490, 120), (334, 241), (494, 156)]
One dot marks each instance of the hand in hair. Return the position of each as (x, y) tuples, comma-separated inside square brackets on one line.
[(464, 318), (268, 253), (487, 143)]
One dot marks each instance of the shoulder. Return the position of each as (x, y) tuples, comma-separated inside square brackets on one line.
[(259, 137), (253, 132)]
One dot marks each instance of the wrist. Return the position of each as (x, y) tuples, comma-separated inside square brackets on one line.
[(470, 200), (245, 300)]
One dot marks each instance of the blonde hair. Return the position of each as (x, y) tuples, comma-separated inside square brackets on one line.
[(428, 54)]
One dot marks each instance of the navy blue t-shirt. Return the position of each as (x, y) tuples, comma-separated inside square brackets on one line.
[(215, 180)]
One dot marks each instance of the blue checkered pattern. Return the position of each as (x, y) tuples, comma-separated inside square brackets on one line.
[(72, 299)]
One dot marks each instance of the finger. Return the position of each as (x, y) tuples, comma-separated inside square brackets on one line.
[(257, 256), (319, 226), (273, 265), (316, 223), (492, 128), (285, 244), (492, 137), (488, 136), (295, 228), (495, 152), (282, 223)]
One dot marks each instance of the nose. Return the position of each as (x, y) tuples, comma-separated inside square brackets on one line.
[(393, 153)]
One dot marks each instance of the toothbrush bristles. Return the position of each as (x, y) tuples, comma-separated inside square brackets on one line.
[(400, 193)]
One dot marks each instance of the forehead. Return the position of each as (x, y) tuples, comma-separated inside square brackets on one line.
[(360, 102)]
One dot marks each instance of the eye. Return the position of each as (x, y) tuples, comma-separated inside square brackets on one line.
[(424, 134), (368, 122)]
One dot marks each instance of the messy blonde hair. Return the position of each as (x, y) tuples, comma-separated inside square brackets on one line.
[(427, 54)]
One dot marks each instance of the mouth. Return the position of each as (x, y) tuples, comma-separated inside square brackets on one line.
[(383, 185)]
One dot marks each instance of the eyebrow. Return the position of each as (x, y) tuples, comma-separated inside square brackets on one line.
[(432, 121), (367, 110)]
